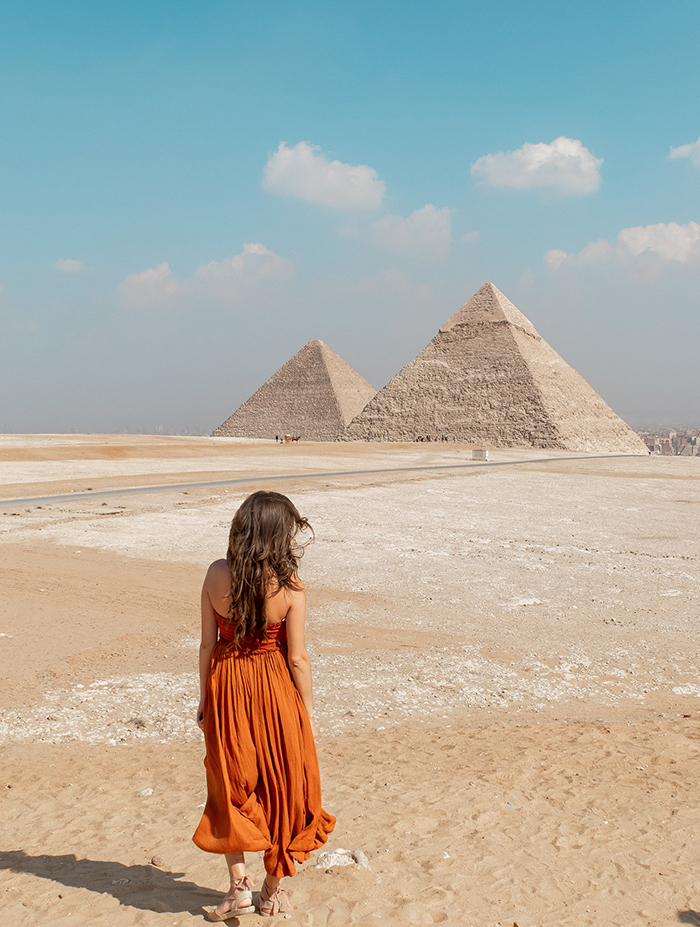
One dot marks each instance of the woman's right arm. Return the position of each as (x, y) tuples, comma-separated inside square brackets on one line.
[(210, 634), (297, 654)]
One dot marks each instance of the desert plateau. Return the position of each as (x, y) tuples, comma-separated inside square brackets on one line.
[(505, 660)]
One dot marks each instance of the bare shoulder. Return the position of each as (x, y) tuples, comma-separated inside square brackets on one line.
[(296, 600), (217, 568), (218, 575), (295, 586), (296, 591)]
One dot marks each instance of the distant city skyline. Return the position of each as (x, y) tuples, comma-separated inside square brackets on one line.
[(190, 193)]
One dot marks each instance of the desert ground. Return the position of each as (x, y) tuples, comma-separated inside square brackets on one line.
[(506, 674)]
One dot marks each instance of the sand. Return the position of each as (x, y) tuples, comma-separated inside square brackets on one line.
[(506, 677)]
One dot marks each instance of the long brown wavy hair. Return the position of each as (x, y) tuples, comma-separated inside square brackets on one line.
[(262, 549)]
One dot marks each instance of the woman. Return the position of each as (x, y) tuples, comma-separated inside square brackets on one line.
[(256, 707)]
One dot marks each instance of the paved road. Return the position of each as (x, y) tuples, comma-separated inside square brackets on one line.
[(282, 477)]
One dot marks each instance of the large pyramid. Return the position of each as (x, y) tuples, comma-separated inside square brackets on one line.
[(314, 395), (488, 378)]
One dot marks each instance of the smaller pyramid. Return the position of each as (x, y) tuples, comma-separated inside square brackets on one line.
[(313, 396)]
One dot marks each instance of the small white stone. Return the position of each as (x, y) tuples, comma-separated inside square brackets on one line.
[(333, 858), (360, 858)]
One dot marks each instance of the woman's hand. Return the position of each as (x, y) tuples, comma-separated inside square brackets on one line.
[(313, 726), (200, 715)]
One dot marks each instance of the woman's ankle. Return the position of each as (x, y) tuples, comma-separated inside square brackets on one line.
[(270, 885)]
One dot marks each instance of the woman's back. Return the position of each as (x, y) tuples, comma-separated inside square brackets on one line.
[(218, 588)]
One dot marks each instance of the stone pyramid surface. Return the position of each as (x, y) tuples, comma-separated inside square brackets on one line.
[(314, 395), (489, 378)]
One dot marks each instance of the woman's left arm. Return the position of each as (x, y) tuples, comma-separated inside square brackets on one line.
[(210, 634), (297, 654)]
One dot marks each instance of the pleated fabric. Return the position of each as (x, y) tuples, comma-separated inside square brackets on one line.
[(263, 781)]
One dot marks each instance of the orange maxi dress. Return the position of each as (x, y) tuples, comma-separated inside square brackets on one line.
[(263, 781)]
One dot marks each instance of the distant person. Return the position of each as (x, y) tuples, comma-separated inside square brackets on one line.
[(256, 707), (277, 437)]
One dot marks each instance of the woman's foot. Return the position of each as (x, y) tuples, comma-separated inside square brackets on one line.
[(238, 900), (270, 898)]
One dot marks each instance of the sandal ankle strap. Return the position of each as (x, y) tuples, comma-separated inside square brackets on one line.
[(273, 897), (242, 885)]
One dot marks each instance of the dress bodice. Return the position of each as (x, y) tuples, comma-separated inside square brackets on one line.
[(276, 636)]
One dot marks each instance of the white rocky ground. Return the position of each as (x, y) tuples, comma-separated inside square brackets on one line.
[(568, 585)]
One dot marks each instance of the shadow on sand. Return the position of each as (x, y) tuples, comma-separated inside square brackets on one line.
[(142, 887), (689, 917)]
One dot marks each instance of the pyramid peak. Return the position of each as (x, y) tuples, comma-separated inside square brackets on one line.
[(489, 304), (320, 350)]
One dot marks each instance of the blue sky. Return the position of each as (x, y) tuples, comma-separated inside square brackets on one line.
[(162, 255)]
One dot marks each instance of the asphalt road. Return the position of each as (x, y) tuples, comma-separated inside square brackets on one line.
[(282, 477)]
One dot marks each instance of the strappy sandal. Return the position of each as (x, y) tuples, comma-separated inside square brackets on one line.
[(270, 905), (242, 896)]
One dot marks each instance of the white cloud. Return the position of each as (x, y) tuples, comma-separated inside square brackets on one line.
[(565, 165), (217, 282), (669, 242), (593, 253), (303, 171), (154, 288), (424, 235), (691, 151), (555, 258), (255, 261), (69, 266)]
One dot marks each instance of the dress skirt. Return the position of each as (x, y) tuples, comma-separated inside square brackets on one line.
[(263, 781)]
